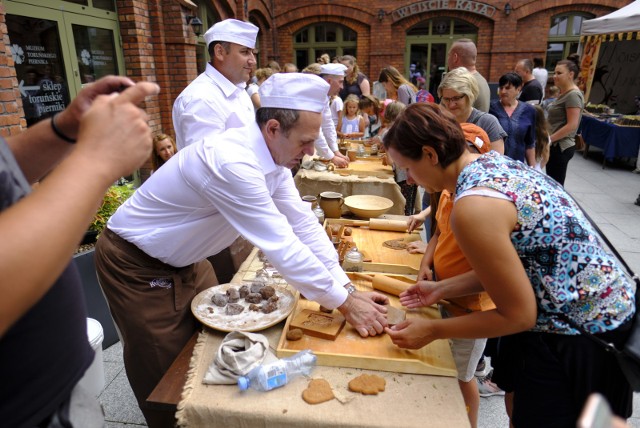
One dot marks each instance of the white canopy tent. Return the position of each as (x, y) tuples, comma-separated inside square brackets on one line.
[(621, 21), (610, 70)]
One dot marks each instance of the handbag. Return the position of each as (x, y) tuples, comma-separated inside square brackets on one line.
[(629, 356), (580, 144)]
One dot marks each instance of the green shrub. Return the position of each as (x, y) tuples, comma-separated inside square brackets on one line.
[(113, 198)]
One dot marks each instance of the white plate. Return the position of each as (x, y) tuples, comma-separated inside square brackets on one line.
[(215, 317)]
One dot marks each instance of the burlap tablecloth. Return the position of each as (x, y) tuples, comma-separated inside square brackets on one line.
[(311, 182), (408, 401)]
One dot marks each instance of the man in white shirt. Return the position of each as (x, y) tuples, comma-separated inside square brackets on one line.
[(149, 259), (540, 73), (216, 100), (463, 53), (327, 142)]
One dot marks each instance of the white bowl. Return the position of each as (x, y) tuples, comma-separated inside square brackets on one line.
[(367, 206)]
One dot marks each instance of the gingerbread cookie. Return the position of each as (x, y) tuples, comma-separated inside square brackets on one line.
[(317, 392), (396, 244), (367, 384)]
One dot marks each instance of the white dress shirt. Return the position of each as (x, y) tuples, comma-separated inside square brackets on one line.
[(327, 143), (207, 194), (210, 105)]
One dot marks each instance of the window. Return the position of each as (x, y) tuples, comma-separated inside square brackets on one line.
[(317, 39), (564, 36), (442, 27)]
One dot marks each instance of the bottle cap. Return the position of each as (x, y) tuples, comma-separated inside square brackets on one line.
[(243, 383)]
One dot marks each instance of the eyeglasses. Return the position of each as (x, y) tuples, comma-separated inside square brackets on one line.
[(447, 100)]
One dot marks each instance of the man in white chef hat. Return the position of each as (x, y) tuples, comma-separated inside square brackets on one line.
[(217, 100), (327, 142), (151, 257)]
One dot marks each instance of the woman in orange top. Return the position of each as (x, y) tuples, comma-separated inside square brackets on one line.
[(450, 266)]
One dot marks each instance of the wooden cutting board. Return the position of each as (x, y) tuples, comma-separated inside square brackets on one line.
[(372, 167), (373, 353)]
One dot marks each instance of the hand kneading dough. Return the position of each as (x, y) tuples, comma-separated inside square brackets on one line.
[(317, 392), (367, 384)]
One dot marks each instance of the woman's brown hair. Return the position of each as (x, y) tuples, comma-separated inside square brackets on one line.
[(426, 124)]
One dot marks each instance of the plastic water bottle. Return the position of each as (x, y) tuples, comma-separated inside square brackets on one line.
[(275, 375)]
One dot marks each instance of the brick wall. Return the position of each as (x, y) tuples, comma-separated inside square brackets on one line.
[(160, 46), (11, 115)]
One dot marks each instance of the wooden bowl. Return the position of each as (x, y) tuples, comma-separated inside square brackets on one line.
[(367, 206)]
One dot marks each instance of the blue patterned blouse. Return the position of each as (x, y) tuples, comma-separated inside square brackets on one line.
[(563, 256)]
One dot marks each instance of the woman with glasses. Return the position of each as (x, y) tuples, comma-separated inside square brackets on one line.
[(458, 91)]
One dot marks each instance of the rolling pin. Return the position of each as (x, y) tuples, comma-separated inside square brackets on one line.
[(384, 283), (382, 224), (395, 286)]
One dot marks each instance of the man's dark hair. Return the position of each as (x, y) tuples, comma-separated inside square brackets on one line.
[(286, 117)]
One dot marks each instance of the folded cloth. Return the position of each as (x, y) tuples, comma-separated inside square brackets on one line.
[(239, 352)]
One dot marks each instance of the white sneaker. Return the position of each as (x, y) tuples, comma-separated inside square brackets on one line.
[(484, 368), (486, 388)]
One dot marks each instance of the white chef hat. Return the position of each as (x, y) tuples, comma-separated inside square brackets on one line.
[(294, 91), (334, 69), (232, 30)]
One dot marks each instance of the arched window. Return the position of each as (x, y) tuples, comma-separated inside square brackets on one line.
[(316, 39), (564, 36)]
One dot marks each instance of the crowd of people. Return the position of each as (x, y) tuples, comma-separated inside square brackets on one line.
[(239, 133)]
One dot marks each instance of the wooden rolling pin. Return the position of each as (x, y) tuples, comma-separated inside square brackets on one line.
[(394, 286), (382, 224), (384, 283)]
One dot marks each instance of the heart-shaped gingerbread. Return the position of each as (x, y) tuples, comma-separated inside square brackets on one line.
[(317, 392)]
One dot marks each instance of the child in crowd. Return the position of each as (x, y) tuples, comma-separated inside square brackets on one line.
[(351, 124), (553, 94), (542, 138), (370, 106), (423, 96), (336, 106)]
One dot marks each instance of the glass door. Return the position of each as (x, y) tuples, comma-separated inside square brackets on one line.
[(55, 52), (94, 48)]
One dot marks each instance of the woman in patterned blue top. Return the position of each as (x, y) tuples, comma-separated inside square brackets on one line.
[(538, 257)]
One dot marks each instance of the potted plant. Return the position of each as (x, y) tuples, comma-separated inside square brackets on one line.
[(113, 198)]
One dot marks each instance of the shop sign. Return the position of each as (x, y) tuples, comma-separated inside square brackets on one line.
[(437, 5)]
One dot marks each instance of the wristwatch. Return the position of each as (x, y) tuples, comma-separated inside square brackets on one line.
[(350, 288)]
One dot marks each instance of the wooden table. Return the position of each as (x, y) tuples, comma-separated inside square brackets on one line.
[(363, 177), (409, 399)]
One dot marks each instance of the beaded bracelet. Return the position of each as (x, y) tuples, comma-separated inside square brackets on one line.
[(59, 133)]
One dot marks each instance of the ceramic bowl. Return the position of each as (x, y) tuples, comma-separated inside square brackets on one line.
[(367, 206)]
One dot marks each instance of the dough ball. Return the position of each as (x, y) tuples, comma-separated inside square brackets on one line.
[(267, 292), (234, 309), (233, 295), (254, 307), (348, 231), (273, 298), (269, 307), (244, 290), (219, 299), (295, 334), (256, 286), (253, 298)]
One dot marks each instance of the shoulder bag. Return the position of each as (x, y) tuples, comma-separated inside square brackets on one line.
[(629, 356)]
